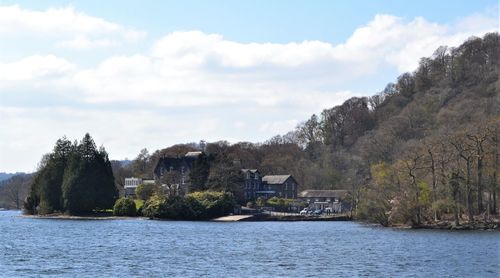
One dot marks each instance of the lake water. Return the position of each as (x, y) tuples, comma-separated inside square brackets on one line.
[(145, 248)]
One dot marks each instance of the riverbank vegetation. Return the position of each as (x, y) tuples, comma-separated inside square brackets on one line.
[(125, 207), (193, 206)]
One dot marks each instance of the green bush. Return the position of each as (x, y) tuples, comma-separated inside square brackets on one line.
[(152, 207), (145, 190), (124, 207), (197, 205), (172, 207), (281, 204), (213, 203)]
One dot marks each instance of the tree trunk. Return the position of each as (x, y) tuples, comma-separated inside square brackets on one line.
[(495, 201), (480, 180), (495, 184), (456, 209), (417, 195), (468, 192), (434, 193), (454, 186)]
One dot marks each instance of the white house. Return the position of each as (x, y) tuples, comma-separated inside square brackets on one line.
[(132, 183)]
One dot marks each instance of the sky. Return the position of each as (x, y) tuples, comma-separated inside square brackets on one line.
[(150, 74)]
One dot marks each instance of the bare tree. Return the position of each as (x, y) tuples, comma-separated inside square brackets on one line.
[(478, 140), (466, 154)]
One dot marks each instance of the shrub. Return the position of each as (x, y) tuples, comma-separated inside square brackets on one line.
[(172, 207), (197, 205), (281, 204), (213, 203), (145, 191), (152, 206), (124, 207), (260, 202)]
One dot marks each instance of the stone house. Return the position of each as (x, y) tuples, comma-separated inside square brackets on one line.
[(252, 181), (282, 186), (132, 183), (178, 168), (255, 186)]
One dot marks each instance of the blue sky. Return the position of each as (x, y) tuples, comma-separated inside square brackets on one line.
[(154, 73)]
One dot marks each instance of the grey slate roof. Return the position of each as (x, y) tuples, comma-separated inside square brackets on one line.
[(195, 154), (275, 179), (249, 170), (340, 193)]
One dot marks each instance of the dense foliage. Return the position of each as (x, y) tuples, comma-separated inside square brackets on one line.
[(282, 204), (124, 207), (74, 178), (197, 205), (145, 191)]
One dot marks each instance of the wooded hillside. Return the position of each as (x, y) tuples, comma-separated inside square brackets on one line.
[(425, 145)]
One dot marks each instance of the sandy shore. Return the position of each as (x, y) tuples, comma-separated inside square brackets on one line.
[(232, 218)]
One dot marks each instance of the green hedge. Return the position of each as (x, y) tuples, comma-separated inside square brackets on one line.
[(194, 206), (124, 207)]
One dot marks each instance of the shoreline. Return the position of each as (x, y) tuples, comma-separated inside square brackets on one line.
[(442, 225), (466, 226), (81, 217)]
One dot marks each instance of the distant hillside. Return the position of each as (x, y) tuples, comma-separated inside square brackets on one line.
[(14, 189), (6, 176)]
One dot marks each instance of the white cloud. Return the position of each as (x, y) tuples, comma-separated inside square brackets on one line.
[(34, 68), (71, 28), (392, 40), (278, 127), (123, 134), (192, 85), (82, 42)]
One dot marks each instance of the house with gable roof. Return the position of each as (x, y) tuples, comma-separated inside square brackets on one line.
[(265, 187)]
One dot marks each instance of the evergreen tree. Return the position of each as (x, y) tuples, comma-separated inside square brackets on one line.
[(199, 173), (89, 182), (75, 178)]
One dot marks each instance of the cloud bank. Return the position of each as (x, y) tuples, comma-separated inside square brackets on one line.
[(190, 85)]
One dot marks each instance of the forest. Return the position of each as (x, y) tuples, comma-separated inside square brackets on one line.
[(422, 149)]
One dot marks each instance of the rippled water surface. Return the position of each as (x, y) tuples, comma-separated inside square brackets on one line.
[(144, 248)]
